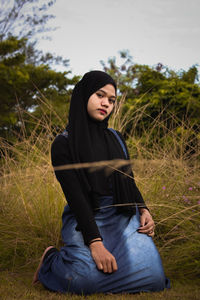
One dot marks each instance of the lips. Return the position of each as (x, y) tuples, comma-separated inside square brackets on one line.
[(103, 111)]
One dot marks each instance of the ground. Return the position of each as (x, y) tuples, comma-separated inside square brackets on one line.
[(18, 285)]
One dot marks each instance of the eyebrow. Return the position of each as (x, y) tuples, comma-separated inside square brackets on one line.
[(112, 96)]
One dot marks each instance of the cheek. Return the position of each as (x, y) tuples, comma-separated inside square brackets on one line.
[(92, 102), (111, 108), (89, 104), (89, 109)]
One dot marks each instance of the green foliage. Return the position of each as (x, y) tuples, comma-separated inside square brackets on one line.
[(191, 75), (156, 90), (23, 84), (26, 75)]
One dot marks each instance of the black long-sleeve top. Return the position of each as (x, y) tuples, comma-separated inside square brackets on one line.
[(71, 186), (73, 192)]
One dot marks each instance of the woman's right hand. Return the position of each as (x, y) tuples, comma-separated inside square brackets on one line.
[(104, 260)]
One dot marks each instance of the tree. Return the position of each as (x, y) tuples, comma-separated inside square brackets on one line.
[(22, 84), (164, 96), (26, 74), (191, 76), (24, 18)]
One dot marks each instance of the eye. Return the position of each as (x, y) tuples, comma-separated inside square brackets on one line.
[(99, 95), (112, 101)]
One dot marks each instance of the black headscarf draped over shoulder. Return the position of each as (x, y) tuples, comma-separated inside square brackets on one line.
[(91, 140)]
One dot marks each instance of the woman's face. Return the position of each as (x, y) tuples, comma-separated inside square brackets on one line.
[(101, 103)]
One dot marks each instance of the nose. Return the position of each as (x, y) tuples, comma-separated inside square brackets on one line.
[(105, 102)]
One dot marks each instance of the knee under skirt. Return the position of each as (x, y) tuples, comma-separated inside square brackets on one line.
[(72, 269)]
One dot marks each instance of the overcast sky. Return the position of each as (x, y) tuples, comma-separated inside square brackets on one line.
[(166, 31)]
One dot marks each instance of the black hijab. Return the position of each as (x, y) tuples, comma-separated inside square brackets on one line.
[(91, 141)]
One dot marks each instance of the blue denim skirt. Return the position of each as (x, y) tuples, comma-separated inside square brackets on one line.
[(72, 269)]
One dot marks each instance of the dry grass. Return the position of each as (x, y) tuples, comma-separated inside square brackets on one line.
[(18, 286), (166, 171)]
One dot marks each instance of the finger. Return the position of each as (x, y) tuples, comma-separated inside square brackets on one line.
[(147, 230), (147, 226), (151, 234), (114, 265), (142, 220), (105, 268), (109, 266), (99, 265)]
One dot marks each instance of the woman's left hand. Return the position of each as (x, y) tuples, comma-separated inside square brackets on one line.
[(147, 224)]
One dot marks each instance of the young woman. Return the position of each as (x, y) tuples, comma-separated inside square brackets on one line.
[(107, 228)]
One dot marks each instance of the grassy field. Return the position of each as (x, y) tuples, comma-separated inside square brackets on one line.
[(17, 285), (31, 205)]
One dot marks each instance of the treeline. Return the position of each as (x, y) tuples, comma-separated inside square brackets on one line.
[(28, 81), (27, 75)]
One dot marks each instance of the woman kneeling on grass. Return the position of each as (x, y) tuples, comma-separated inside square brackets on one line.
[(107, 229)]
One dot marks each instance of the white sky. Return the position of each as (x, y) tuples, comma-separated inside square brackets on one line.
[(166, 31)]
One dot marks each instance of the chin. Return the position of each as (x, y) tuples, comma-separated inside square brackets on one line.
[(100, 118)]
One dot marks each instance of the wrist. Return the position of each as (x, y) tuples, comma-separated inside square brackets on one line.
[(95, 243), (143, 210)]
